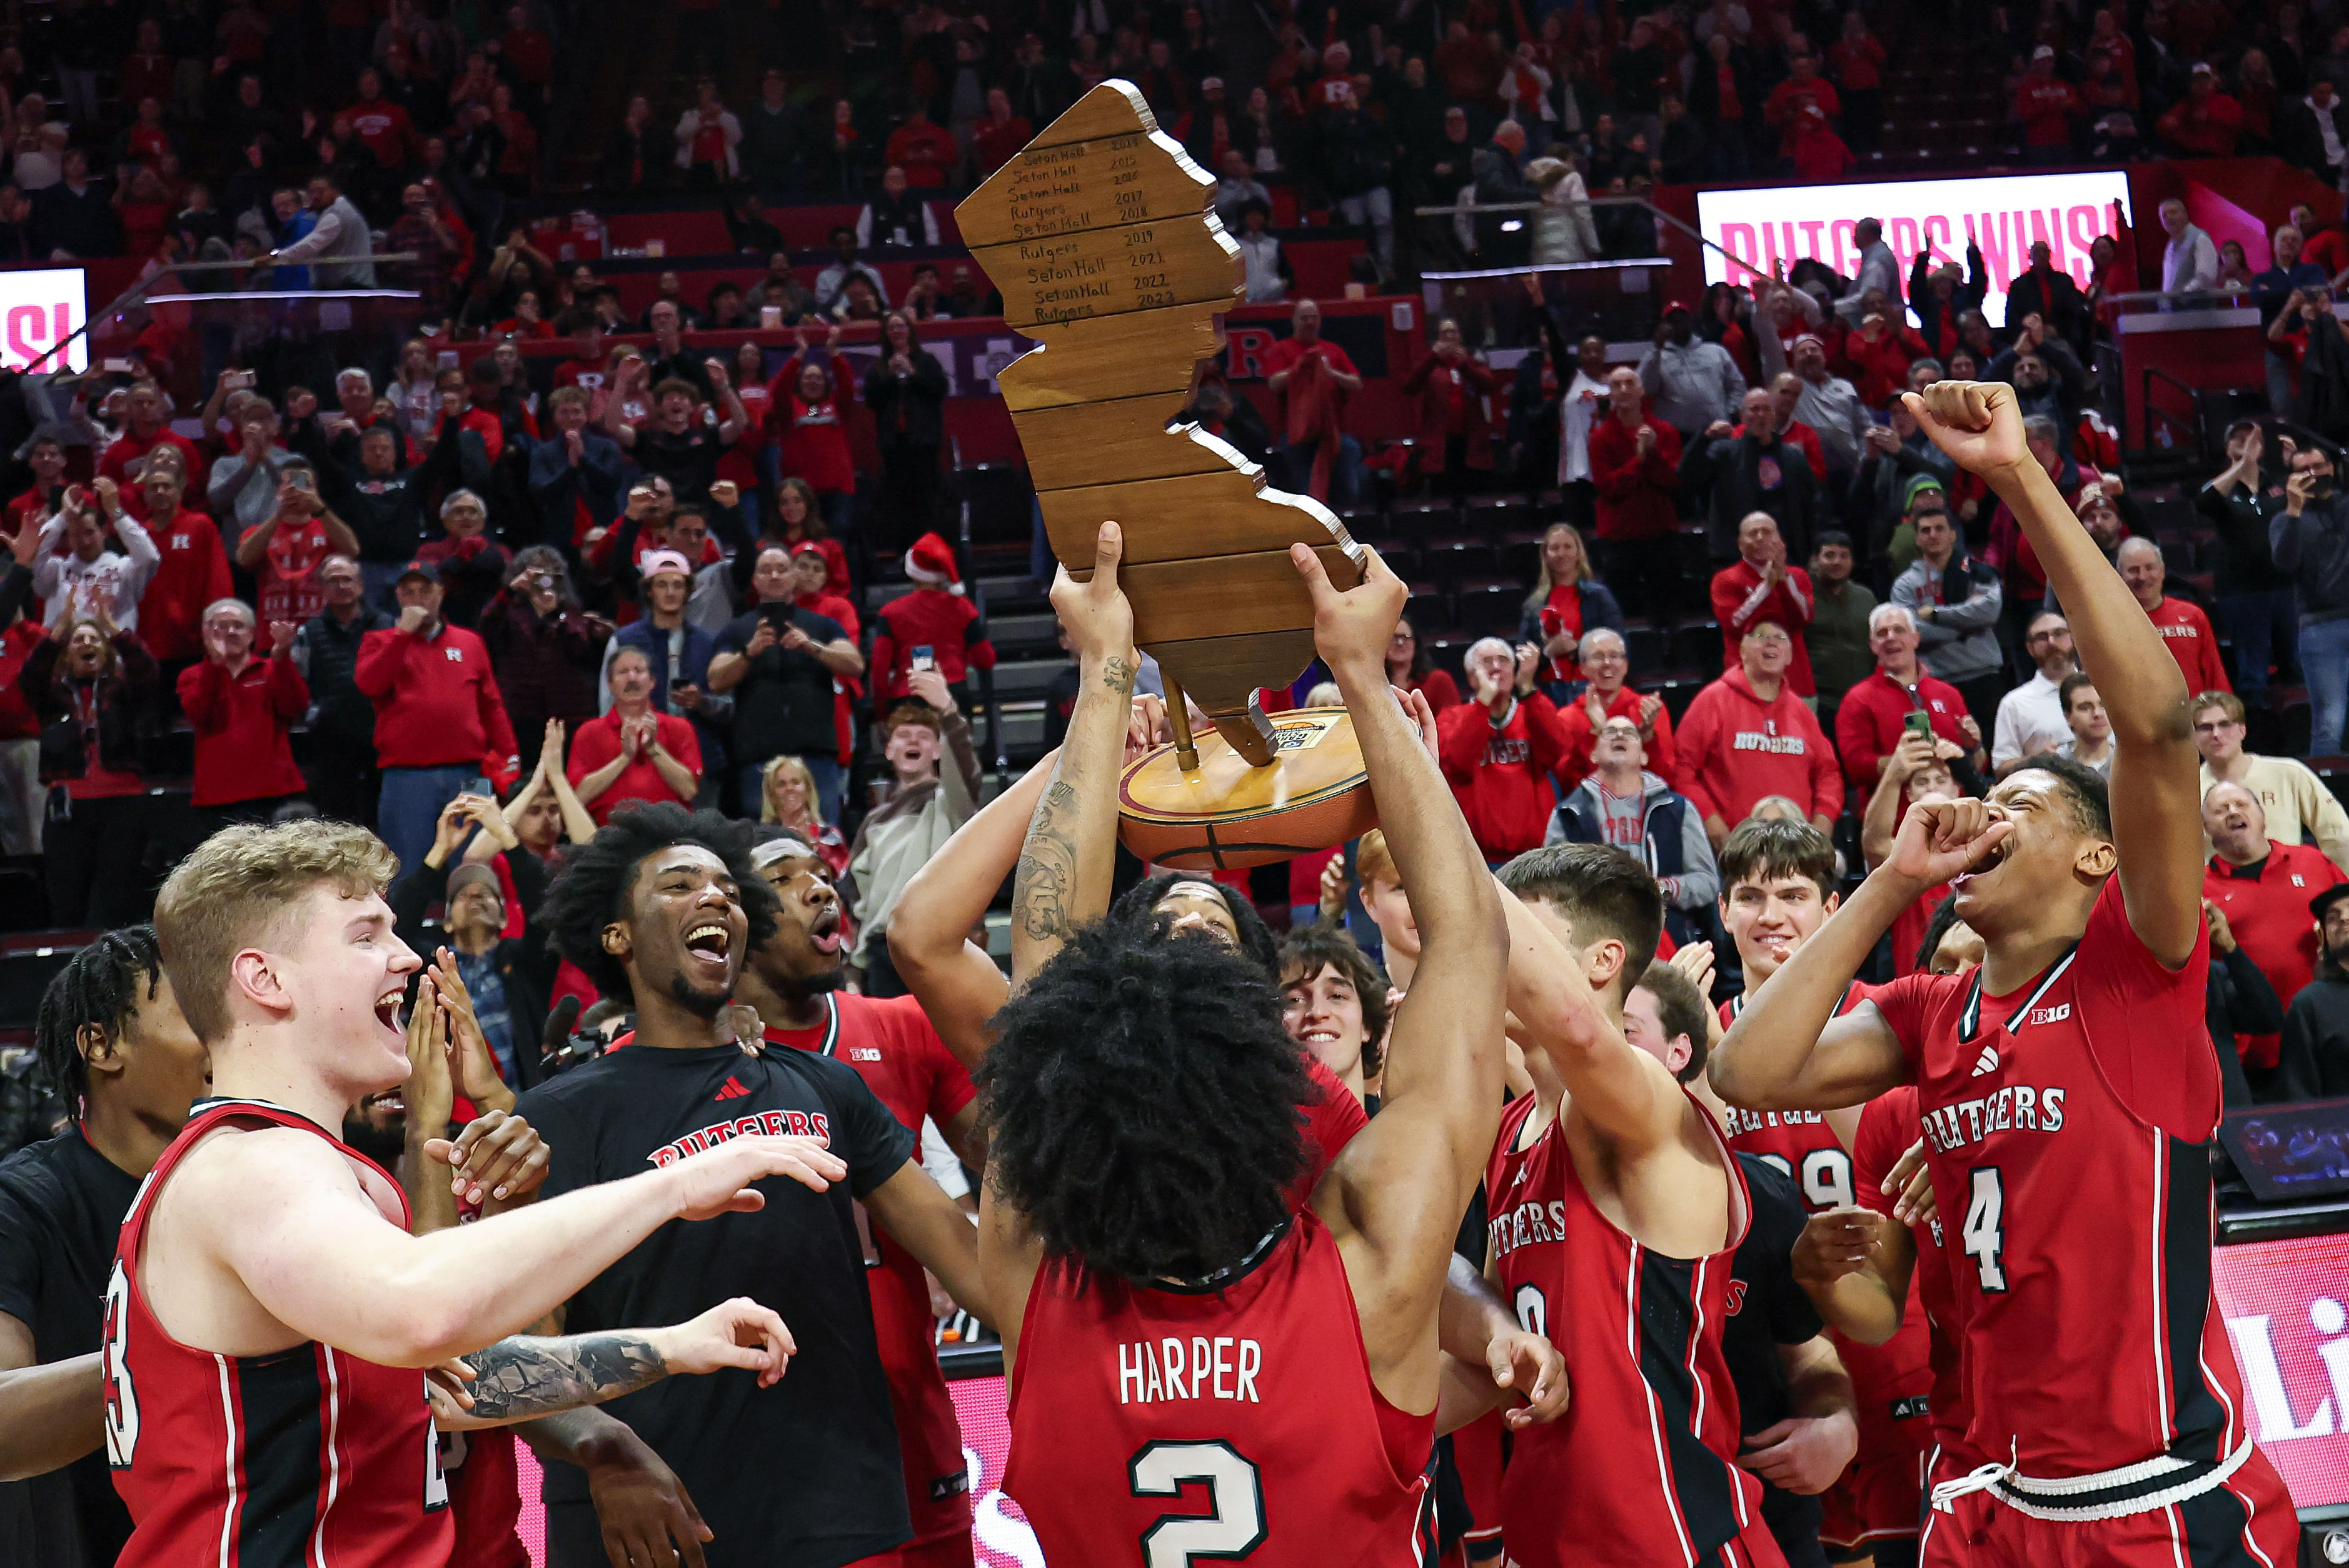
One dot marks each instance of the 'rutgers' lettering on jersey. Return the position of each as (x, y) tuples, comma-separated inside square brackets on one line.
[(1220, 1368), (1743, 1120), (1755, 740), (773, 1123), (1526, 1224), (1500, 753), (2020, 1108)]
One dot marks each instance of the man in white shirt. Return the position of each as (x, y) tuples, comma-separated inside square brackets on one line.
[(2300, 809), (2031, 718), (74, 571), (2190, 263), (1578, 403)]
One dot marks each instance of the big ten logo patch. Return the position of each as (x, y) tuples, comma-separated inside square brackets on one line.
[(1304, 731)]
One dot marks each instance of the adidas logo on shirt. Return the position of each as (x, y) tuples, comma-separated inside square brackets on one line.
[(731, 1090), (1985, 1063)]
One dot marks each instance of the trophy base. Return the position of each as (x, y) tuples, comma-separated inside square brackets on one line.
[(1224, 814)]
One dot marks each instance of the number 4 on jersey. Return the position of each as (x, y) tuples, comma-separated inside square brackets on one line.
[(1984, 1232), (1229, 1530)]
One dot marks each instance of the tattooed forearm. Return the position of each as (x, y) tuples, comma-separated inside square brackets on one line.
[(1040, 892), (520, 1378), (1118, 673)]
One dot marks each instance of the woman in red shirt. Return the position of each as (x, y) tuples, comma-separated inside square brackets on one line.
[(632, 753), (808, 419), (1410, 667), (1566, 601)]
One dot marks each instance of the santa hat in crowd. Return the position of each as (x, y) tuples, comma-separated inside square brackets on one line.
[(931, 563)]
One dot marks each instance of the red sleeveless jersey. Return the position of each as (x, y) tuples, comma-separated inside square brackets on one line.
[(1887, 1126), (1799, 1142), (909, 1069), (1154, 1425), (308, 1455), (1638, 1472), (2079, 1225)]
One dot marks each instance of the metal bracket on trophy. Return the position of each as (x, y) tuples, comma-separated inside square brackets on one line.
[(1099, 236)]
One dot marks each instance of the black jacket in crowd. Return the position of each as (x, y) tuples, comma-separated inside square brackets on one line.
[(2313, 1063), (911, 412), (1732, 467), (120, 700), (327, 651), (2239, 1000)]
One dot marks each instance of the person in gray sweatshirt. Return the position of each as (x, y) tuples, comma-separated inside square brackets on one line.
[(935, 791), (1955, 600), (1623, 804)]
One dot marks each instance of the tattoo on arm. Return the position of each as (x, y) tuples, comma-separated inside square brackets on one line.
[(520, 1378), (1048, 865), (1118, 675)]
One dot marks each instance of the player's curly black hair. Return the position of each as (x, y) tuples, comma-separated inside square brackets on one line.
[(1144, 1105), (101, 986), (592, 888), (1135, 912)]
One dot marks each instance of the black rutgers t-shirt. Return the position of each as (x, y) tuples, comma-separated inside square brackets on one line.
[(1769, 1309), (804, 1474), (61, 1208)]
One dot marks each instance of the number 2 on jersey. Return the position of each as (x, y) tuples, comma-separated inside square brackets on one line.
[(1229, 1530), (1984, 1232)]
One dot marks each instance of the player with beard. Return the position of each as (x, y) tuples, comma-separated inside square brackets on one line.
[(660, 910), (1248, 1427), (793, 980), (262, 1359), (2066, 1089)]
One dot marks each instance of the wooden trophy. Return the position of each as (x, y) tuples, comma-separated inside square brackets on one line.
[(1099, 236)]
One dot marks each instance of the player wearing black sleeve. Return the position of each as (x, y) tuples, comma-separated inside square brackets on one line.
[(112, 1041), (661, 908)]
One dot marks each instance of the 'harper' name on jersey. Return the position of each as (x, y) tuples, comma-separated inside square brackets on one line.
[(2020, 1108), (1219, 1369), (773, 1123)]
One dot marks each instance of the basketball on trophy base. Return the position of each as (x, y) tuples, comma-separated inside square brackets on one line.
[(1099, 237)]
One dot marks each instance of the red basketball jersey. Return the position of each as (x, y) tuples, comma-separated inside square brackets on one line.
[(892, 1048), (2081, 1226), (1887, 1127), (1799, 1142), (1638, 1472), (308, 1455), (1156, 1425)]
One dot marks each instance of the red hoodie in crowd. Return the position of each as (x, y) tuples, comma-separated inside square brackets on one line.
[(1735, 748), (1500, 772), (436, 703)]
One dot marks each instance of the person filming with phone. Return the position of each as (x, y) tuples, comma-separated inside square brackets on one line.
[(2310, 541), (778, 662)]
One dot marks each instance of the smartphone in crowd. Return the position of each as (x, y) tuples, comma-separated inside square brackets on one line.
[(1916, 721), (924, 658)]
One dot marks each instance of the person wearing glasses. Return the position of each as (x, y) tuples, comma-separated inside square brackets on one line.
[(2299, 808)]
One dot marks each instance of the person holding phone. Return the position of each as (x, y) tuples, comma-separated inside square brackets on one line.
[(778, 662), (284, 553), (1899, 698)]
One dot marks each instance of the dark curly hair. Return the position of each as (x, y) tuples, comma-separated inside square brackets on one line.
[(592, 888), (1136, 912), (102, 984), (1145, 1107)]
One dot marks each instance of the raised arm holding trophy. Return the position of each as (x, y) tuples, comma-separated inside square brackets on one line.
[(1100, 238)]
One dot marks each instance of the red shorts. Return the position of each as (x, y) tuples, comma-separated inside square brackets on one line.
[(1881, 1492), (2245, 1522), (1476, 1456)]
